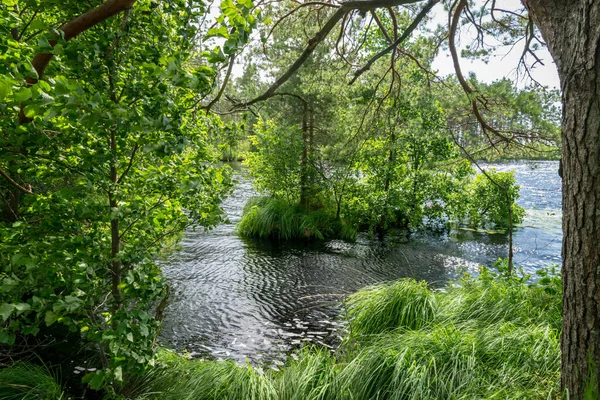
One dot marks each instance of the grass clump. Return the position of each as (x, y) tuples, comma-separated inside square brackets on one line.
[(275, 218), (490, 337), (312, 376), (404, 304), (501, 361), (176, 377), (24, 381)]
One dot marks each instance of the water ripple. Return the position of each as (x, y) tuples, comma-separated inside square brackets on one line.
[(248, 299)]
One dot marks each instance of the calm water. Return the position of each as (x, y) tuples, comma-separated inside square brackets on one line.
[(246, 299)]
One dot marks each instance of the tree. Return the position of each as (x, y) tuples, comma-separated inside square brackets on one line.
[(571, 30), (111, 166), (572, 34)]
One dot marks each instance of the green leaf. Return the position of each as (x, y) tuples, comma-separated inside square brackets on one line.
[(44, 44), (217, 32), (130, 337), (144, 330), (216, 55), (246, 3), (7, 338), (96, 100), (61, 88), (119, 374), (38, 24), (5, 88), (6, 310), (22, 95), (95, 380), (50, 318), (22, 307), (230, 46), (46, 99), (30, 111)]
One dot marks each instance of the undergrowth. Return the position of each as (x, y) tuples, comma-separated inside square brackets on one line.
[(23, 381), (267, 217), (490, 337)]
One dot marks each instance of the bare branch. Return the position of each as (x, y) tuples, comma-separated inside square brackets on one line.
[(130, 164), (27, 24), (345, 7), (15, 184), (310, 3), (312, 44), (223, 85), (422, 14)]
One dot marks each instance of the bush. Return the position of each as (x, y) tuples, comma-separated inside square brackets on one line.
[(267, 217), (487, 203)]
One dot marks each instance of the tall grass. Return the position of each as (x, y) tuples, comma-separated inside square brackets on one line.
[(267, 217), (485, 338), (23, 381), (405, 304)]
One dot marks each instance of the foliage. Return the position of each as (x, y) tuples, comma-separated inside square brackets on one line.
[(405, 173), (533, 109), (274, 164), (276, 218), (110, 158), (117, 164), (489, 198), (21, 381), (494, 336)]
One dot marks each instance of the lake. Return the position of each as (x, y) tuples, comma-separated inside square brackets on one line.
[(255, 300)]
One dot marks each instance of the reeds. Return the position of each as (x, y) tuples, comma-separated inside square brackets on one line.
[(23, 381)]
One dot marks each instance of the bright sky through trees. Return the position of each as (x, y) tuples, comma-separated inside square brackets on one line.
[(502, 64)]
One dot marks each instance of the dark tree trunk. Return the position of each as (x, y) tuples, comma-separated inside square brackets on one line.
[(304, 161), (115, 265), (388, 177), (572, 31)]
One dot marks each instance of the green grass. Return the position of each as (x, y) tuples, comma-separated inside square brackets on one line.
[(486, 338), (490, 337), (266, 217), (22, 381), (404, 304)]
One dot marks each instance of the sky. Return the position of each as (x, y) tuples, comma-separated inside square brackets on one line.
[(503, 64)]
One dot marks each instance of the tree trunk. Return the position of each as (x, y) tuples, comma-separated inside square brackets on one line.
[(304, 185), (115, 264), (572, 32)]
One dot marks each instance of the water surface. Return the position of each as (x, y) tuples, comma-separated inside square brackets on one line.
[(249, 299)]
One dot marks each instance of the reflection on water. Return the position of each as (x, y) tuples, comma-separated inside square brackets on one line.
[(247, 299)]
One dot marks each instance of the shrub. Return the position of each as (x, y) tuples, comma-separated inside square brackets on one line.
[(487, 202), (267, 217)]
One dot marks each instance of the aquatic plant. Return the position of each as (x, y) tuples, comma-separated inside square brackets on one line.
[(404, 304)]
